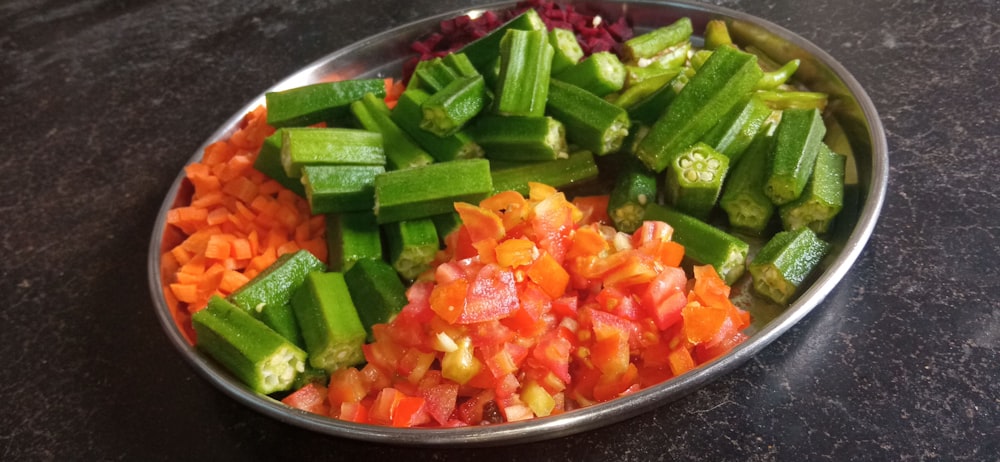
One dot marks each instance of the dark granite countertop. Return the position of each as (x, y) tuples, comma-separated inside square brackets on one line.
[(104, 101)]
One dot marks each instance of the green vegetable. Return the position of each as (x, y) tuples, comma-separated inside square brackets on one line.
[(635, 75), (650, 108), (716, 34), (566, 48), (780, 267), (484, 51), (776, 78), (704, 243), (694, 179), (797, 140), (260, 357), (269, 163), (591, 123), (352, 236), (431, 75), (400, 150), (329, 146), (267, 295), (725, 80), (330, 324), (650, 44), (430, 190), (321, 102), (823, 196), (340, 188), (412, 246), (448, 110), (577, 168), (780, 99), (408, 114), (634, 187), (743, 198), (736, 131), (520, 138), (601, 73), (525, 68), (378, 284)]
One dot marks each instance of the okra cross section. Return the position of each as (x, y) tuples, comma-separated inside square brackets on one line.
[(257, 355), (780, 267), (429, 190), (694, 179)]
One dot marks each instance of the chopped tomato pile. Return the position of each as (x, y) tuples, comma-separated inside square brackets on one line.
[(534, 308)]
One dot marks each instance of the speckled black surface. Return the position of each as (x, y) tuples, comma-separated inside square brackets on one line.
[(104, 101)]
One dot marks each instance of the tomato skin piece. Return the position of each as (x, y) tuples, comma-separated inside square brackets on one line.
[(309, 398), (481, 223), (448, 299), (664, 298), (439, 401), (549, 275), (492, 295), (594, 209), (346, 386)]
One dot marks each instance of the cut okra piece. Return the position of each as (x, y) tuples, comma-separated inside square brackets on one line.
[(694, 180), (267, 294), (311, 375), (484, 51), (412, 246), (378, 284), (704, 243), (723, 82), (634, 188), (430, 190), (352, 236), (432, 75), (460, 63), (400, 150), (780, 267), (823, 197), (566, 49), (734, 133), (257, 355), (269, 163), (635, 75), (591, 123), (330, 324), (635, 94), (448, 110), (516, 138), (601, 73), (321, 102), (652, 43), (329, 146), (797, 140), (650, 108), (408, 114), (340, 188), (579, 167), (743, 199), (525, 68)]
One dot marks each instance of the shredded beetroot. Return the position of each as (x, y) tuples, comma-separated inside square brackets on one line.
[(454, 33)]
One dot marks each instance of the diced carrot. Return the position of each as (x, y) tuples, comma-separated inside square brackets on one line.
[(288, 247), (232, 280), (218, 247), (269, 187), (187, 293), (217, 153), (315, 246), (241, 248), (393, 89), (241, 188)]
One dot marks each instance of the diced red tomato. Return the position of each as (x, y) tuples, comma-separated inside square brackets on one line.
[(309, 398), (533, 309)]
